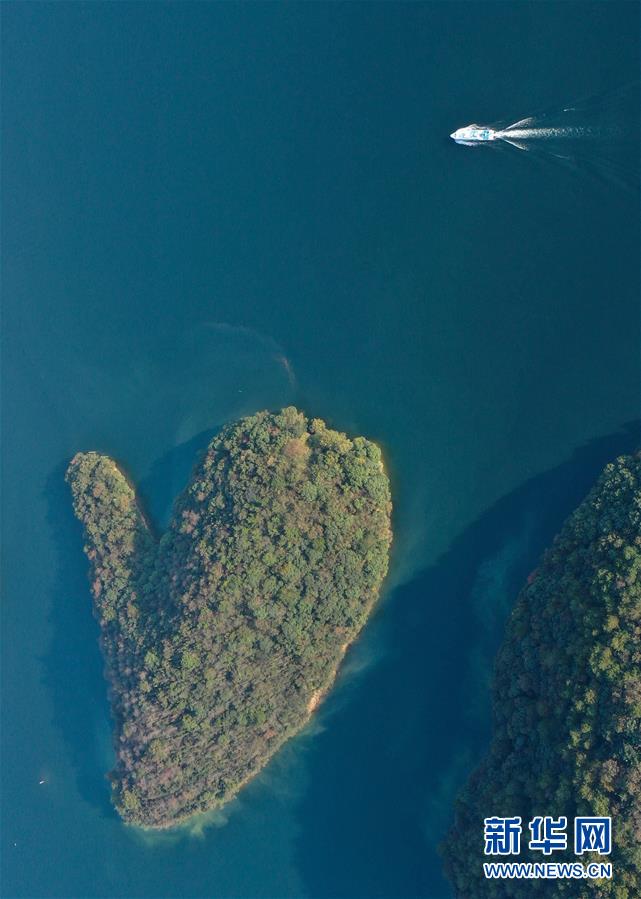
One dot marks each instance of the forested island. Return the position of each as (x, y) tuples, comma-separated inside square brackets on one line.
[(567, 703), (221, 636)]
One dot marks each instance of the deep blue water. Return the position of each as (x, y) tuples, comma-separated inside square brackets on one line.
[(210, 209)]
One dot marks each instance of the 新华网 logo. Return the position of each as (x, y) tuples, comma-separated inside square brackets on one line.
[(548, 835)]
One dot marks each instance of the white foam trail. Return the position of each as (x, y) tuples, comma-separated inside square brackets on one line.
[(543, 133), (598, 135)]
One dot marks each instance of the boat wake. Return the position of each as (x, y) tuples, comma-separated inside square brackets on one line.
[(600, 134), (526, 134)]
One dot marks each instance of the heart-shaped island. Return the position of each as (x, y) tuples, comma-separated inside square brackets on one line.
[(221, 636)]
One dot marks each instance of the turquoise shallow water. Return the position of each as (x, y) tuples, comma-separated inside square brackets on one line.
[(212, 209)]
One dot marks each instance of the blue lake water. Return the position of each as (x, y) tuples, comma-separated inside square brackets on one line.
[(211, 209)]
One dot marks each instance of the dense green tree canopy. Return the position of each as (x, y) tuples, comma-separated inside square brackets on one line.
[(567, 701), (221, 636)]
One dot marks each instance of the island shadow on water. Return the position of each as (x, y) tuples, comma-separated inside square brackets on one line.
[(420, 720), (73, 666), (416, 722)]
